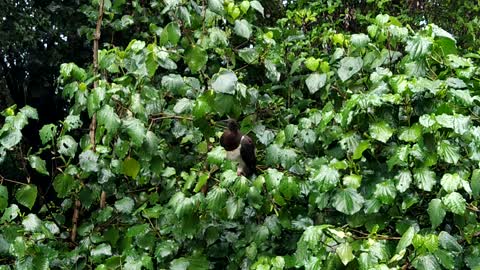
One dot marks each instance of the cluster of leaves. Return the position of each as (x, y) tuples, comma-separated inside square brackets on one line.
[(368, 150)]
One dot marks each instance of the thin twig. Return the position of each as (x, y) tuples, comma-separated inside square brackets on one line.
[(11, 181)]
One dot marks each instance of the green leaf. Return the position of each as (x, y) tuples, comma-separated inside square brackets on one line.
[(31, 223), (249, 55), (10, 138), (216, 6), (448, 152), (411, 134), (47, 133), (107, 117), (449, 242), (216, 198), (234, 207), (345, 252), (455, 203), (475, 183), (436, 212), (424, 178), (385, 192), (243, 28), (381, 131), (67, 146), (183, 105), (125, 205), (315, 81), (171, 34), (38, 164), (257, 6), (63, 184), (403, 180), (312, 63), (225, 82), (348, 201), (26, 195), (196, 58), (326, 178), (451, 182), (88, 161), (349, 66), (426, 262), (135, 129), (359, 40), (406, 239), (418, 46), (130, 167), (361, 147), (3, 197)]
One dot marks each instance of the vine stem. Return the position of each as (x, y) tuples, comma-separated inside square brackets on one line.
[(11, 181)]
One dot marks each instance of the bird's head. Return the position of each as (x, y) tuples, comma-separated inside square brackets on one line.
[(231, 124)]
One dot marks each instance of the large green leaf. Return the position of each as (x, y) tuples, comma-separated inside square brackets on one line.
[(63, 184), (348, 201), (225, 82), (38, 164), (436, 212), (349, 66), (424, 178), (107, 117), (381, 131), (196, 58), (243, 28), (316, 81), (26, 195), (171, 34), (448, 152), (326, 178), (450, 182), (131, 167), (455, 203)]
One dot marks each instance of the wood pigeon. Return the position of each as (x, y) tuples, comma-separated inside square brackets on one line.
[(240, 148)]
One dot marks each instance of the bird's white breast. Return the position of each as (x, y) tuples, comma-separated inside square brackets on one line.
[(236, 156)]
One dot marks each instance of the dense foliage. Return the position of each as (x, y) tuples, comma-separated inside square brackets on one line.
[(367, 144)]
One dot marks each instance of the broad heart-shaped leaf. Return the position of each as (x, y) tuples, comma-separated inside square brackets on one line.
[(418, 46), (171, 34), (345, 252), (426, 262), (67, 146), (131, 167), (88, 161), (424, 178), (257, 6), (249, 55), (225, 82), (385, 192), (136, 130), (63, 184), (361, 147), (10, 138), (436, 212), (38, 164), (3, 197), (448, 152), (26, 195), (455, 203), (459, 123), (182, 105), (349, 66), (326, 178), (243, 28), (451, 182), (216, 6), (107, 117), (403, 180), (316, 81), (406, 240), (196, 58), (125, 205), (348, 201), (449, 242), (381, 131), (411, 134), (47, 133)]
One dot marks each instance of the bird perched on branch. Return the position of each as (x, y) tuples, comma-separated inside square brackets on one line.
[(240, 148)]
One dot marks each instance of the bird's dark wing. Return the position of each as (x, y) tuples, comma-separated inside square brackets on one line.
[(247, 151)]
